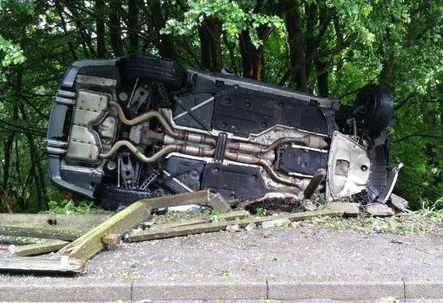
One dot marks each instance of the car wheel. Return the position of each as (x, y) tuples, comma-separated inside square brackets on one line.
[(374, 109), (152, 69), (116, 198)]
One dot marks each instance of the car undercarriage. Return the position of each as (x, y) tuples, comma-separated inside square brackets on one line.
[(137, 127)]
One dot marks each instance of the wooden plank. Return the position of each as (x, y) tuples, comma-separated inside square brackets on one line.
[(73, 221), (111, 241), (37, 248), (219, 203), (214, 227), (234, 215), (196, 197), (226, 216), (46, 233), (62, 227), (90, 243), (37, 265)]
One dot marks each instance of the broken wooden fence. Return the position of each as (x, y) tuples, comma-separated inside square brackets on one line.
[(100, 231)]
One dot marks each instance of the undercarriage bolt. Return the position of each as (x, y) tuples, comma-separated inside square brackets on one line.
[(123, 96), (111, 165)]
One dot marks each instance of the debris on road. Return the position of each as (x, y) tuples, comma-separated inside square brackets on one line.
[(49, 226), (37, 248), (82, 249), (348, 209), (233, 228), (379, 210), (276, 223), (94, 233), (400, 204), (75, 255), (238, 214), (198, 197), (36, 265), (272, 202), (170, 232)]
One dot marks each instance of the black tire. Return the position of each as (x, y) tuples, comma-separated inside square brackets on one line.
[(169, 73), (116, 198), (374, 109)]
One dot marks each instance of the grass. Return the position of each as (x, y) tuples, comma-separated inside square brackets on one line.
[(68, 207), (212, 215), (176, 216), (260, 212), (64, 206), (417, 222)]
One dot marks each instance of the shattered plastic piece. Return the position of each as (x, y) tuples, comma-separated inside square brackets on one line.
[(233, 228), (250, 227), (348, 209), (399, 203), (379, 210), (309, 205), (276, 223)]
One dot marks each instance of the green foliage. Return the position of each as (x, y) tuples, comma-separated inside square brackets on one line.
[(431, 208), (68, 207), (260, 212), (213, 215), (12, 54), (354, 13), (235, 17), (394, 42)]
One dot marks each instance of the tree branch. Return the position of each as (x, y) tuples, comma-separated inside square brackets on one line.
[(418, 134)]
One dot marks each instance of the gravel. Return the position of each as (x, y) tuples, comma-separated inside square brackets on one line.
[(296, 251), (303, 250)]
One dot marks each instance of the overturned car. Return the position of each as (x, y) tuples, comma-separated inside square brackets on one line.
[(137, 127)]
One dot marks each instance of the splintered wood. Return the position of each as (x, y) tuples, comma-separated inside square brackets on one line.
[(49, 226), (82, 249), (177, 231), (37, 248), (36, 265), (91, 233), (88, 240), (199, 197)]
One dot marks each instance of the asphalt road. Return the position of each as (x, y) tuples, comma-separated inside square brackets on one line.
[(302, 262)]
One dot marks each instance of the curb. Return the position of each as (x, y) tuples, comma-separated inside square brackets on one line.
[(223, 288), (284, 289), (212, 289), (418, 289), (57, 290)]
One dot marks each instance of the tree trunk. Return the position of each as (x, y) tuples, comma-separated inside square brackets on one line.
[(164, 43), (252, 58), (7, 149), (38, 173), (65, 30), (322, 78), (210, 44), (387, 71), (39, 179), (5, 205), (88, 47), (311, 41), (115, 30), (133, 26), (296, 48), (100, 28)]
